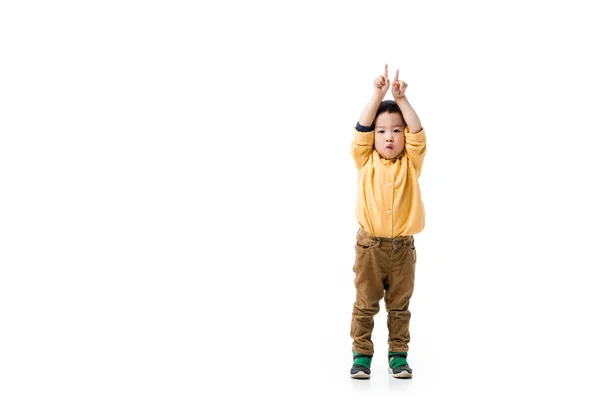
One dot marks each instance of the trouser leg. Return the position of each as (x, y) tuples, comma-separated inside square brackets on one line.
[(369, 292), (399, 289)]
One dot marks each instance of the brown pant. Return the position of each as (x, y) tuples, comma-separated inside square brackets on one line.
[(385, 268)]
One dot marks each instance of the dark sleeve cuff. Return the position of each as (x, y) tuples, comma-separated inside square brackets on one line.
[(361, 128)]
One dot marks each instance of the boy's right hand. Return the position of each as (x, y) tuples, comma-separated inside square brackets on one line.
[(382, 83)]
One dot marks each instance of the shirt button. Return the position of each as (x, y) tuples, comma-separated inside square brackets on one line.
[(389, 212), (390, 184)]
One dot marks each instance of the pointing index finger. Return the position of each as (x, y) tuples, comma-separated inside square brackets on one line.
[(396, 77), (385, 71)]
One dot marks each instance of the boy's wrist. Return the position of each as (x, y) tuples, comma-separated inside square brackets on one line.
[(378, 94)]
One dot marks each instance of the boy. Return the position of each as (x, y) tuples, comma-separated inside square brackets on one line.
[(388, 149)]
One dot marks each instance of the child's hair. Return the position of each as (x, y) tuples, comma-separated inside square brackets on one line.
[(388, 106)]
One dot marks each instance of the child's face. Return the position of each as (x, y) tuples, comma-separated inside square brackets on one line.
[(389, 135)]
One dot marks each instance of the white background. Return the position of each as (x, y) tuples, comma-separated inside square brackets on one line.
[(177, 197)]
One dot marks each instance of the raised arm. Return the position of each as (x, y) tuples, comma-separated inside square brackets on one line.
[(410, 116), (415, 145), (362, 145), (381, 85)]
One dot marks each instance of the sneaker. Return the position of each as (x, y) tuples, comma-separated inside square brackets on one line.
[(398, 366), (361, 366)]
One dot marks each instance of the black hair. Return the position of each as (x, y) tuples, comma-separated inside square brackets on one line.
[(388, 106)]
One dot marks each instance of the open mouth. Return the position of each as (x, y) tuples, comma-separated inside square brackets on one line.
[(389, 147)]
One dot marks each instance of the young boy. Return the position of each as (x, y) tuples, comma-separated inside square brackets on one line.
[(388, 149)]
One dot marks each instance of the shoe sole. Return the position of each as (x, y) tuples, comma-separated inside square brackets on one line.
[(360, 375), (400, 375)]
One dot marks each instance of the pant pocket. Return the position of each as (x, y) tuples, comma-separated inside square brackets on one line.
[(362, 244)]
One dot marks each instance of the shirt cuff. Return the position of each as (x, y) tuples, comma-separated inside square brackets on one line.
[(361, 128)]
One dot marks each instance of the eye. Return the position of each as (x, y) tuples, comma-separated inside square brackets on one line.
[(380, 131)]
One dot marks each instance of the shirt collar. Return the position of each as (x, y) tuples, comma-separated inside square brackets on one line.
[(385, 161)]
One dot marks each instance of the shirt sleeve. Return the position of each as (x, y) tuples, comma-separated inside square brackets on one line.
[(362, 147), (415, 147)]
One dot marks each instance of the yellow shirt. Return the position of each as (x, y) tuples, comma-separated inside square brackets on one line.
[(389, 198)]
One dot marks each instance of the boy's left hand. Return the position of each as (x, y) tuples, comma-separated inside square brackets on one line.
[(398, 87)]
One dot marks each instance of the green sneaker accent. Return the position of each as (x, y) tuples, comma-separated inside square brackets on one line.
[(361, 359), (397, 359)]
